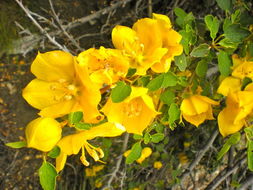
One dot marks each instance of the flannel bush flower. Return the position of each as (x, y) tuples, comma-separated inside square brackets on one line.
[(105, 66), (196, 109), (72, 144), (43, 133), (135, 113), (62, 86)]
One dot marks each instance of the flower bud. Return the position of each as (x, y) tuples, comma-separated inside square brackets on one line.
[(43, 133)]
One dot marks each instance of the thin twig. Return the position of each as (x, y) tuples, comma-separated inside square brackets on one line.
[(224, 174), (43, 31), (95, 15), (114, 173), (200, 154), (74, 42), (150, 8), (248, 182)]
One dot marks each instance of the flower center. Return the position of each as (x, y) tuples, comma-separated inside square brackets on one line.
[(64, 90), (133, 108)]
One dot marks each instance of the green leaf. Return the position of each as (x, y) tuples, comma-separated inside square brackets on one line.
[(75, 117), (137, 137), (169, 79), (147, 138), (162, 81), (225, 5), (131, 72), (54, 153), (250, 49), (167, 97), (156, 138), (181, 14), (235, 33), (156, 83), (233, 139), (235, 17), (250, 155), (159, 128), (212, 24), (174, 113), (201, 68), (83, 126), (18, 144), (181, 62), (201, 51), (134, 154), (47, 174), (227, 43), (224, 63), (120, 92), (249, 133)]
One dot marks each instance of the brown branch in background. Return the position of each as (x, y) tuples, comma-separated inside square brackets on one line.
[(43, 31), (95, 15), (115, 171), (150, 8), (200, 155), (56, 17), (247, 183), (224, 174)]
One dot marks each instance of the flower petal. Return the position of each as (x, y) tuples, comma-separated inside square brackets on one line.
[(229, 84), (54, 65)]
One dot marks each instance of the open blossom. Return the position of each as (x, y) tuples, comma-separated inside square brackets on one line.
[(135, 113), (72, 144), (229, 84), (239, 106), (105, 66), (43, 133), (196, 109), (150, 43), (242, 67), (62, 86)]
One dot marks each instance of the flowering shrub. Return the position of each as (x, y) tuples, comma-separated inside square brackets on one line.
[(155, 79)]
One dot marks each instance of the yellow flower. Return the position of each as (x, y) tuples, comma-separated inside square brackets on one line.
[(229, 84), (142, 44), (238, 106), (242, 68), (43, 133), (158, 165), (170, 40), (135, 113), (72, 144), (196, 109), (90, 172), (145, 153), (183, 159), (62, 86), (105, 66)]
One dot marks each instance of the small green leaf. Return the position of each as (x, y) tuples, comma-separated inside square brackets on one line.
[(18, 144), (47, 174), (156, 83), (120, 92), (131, 72), (75, 117), (156, 138), (135, 153), (227, 43), (159, 128), (225, 5), (167, 97), (224, 63), (181, 14), (201, 68), (181, 62), (169, 79), (235, 33), (250, 155), (201, 51), (54, 153), (137, 137), (233, 139), (249, 133), (212, 24), (147, 138), (174, 113), (83, 126)]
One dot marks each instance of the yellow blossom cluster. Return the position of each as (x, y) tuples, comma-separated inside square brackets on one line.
[(65, 83), (239, 99)]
